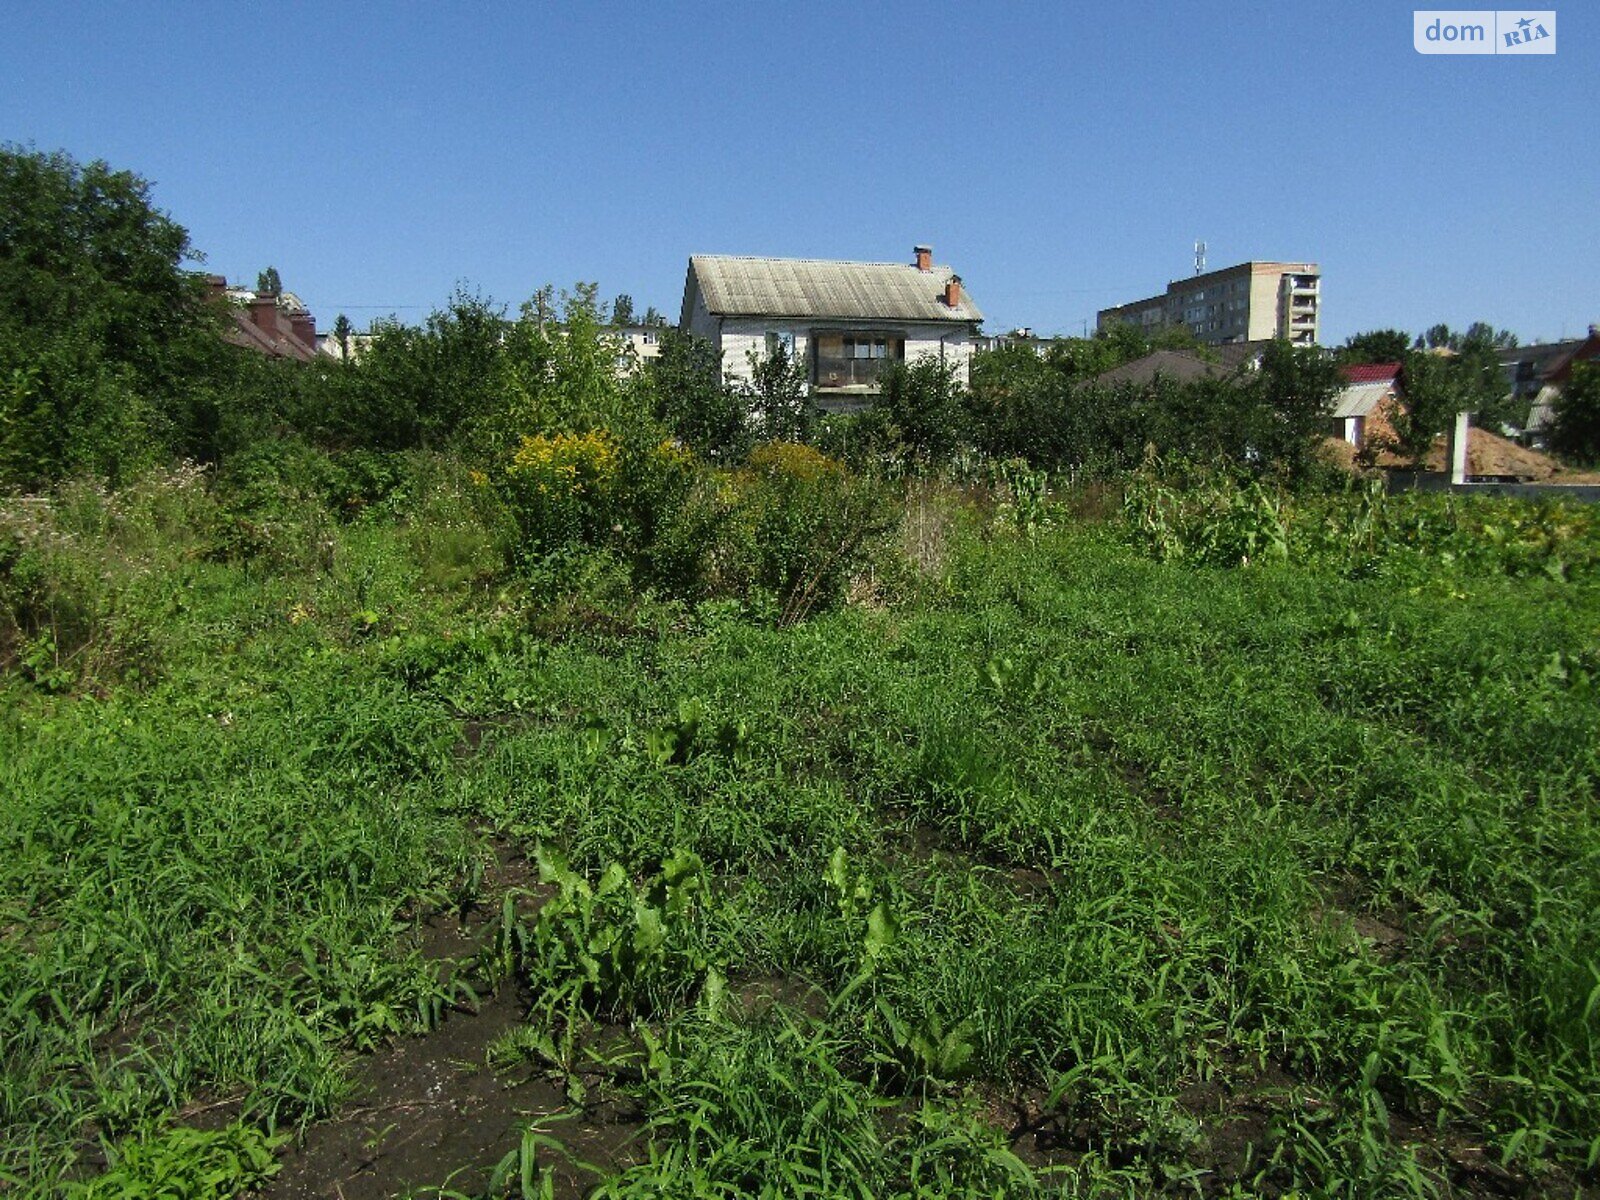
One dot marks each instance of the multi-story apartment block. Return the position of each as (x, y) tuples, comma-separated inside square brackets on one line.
[(1251, 302)]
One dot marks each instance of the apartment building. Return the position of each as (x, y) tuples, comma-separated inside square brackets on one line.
[(1250, 302)]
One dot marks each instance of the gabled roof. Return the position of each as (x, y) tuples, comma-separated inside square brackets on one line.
[(1238, 354), (1370, 372), (1177, 365), (814, 287), (1366, 385), (1361, 399), (1540, 356)]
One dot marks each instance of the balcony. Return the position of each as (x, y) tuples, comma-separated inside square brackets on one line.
[(836, 371)]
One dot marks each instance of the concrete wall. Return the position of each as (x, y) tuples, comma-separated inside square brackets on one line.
[(1439, 481)]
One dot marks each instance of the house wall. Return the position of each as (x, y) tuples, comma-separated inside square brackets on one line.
[(738, 336), (700, 322)]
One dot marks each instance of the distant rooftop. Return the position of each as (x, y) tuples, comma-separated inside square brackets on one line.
[(1370, 372)]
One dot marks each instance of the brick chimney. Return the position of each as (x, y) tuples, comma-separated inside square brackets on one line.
[(952, 291), (924, 257), (266, 316), (304, 326)]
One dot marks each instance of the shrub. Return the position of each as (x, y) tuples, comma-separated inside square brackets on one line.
[(562, 488), (76, 574), (808, 523)]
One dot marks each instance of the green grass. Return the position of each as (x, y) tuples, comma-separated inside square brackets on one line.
[(1114, 829)]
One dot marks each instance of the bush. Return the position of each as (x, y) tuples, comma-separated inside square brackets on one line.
[(918, 414), (807, 523), (77, 575), (562, 489)]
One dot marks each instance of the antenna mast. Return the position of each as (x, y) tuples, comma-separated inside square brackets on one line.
[(1199, 258)]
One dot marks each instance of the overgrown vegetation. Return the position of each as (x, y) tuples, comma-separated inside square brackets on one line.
[(907, 823)]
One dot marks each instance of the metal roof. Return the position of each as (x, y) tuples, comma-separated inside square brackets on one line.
[(814, 287), (1360, 399), (1370, 372)]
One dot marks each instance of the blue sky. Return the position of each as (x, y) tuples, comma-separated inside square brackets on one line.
[(1061, 157)]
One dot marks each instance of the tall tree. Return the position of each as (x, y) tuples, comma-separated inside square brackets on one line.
[(1376, 346), (652, 317), (1297, 385), (622, 310), (778, 395), (102, 331), (1440, 337), (1483, 333), (919, 409), (541, 308), (1436, 391), (268, 283), (341, 336)]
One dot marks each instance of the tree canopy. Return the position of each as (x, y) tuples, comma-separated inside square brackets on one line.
[(101, 325)]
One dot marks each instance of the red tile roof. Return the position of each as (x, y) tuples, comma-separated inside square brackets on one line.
[(1370, 372)]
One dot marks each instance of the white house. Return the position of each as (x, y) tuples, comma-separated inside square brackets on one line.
[(842, 320)]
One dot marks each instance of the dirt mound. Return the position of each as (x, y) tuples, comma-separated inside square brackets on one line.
[(1489, 454)]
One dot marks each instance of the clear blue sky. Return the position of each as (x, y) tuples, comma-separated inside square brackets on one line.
[(1061, 158)]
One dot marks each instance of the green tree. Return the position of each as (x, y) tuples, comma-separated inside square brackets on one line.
[(1483, 333), (652, 317), (1376, 346), (778, 396), (1486, 393), (541, 308), (1434, 395), (919, 410), (1575, 429), (424, 387), (691, 399), (1013, 403), (341, 335), (1440, 337), (622, 310), (103, 333), (1296, 386), (268, 283)]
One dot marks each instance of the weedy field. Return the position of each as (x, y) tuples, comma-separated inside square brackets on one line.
[(1216, 846)]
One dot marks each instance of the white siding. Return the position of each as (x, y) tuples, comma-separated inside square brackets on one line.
[(742, 335), (701, 322), (955, 348), (739, 336)]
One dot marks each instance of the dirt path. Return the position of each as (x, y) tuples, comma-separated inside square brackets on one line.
[(427, 1113)]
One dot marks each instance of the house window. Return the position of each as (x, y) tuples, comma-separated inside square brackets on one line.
[(779, 339), (866, 347), (853, 360)]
